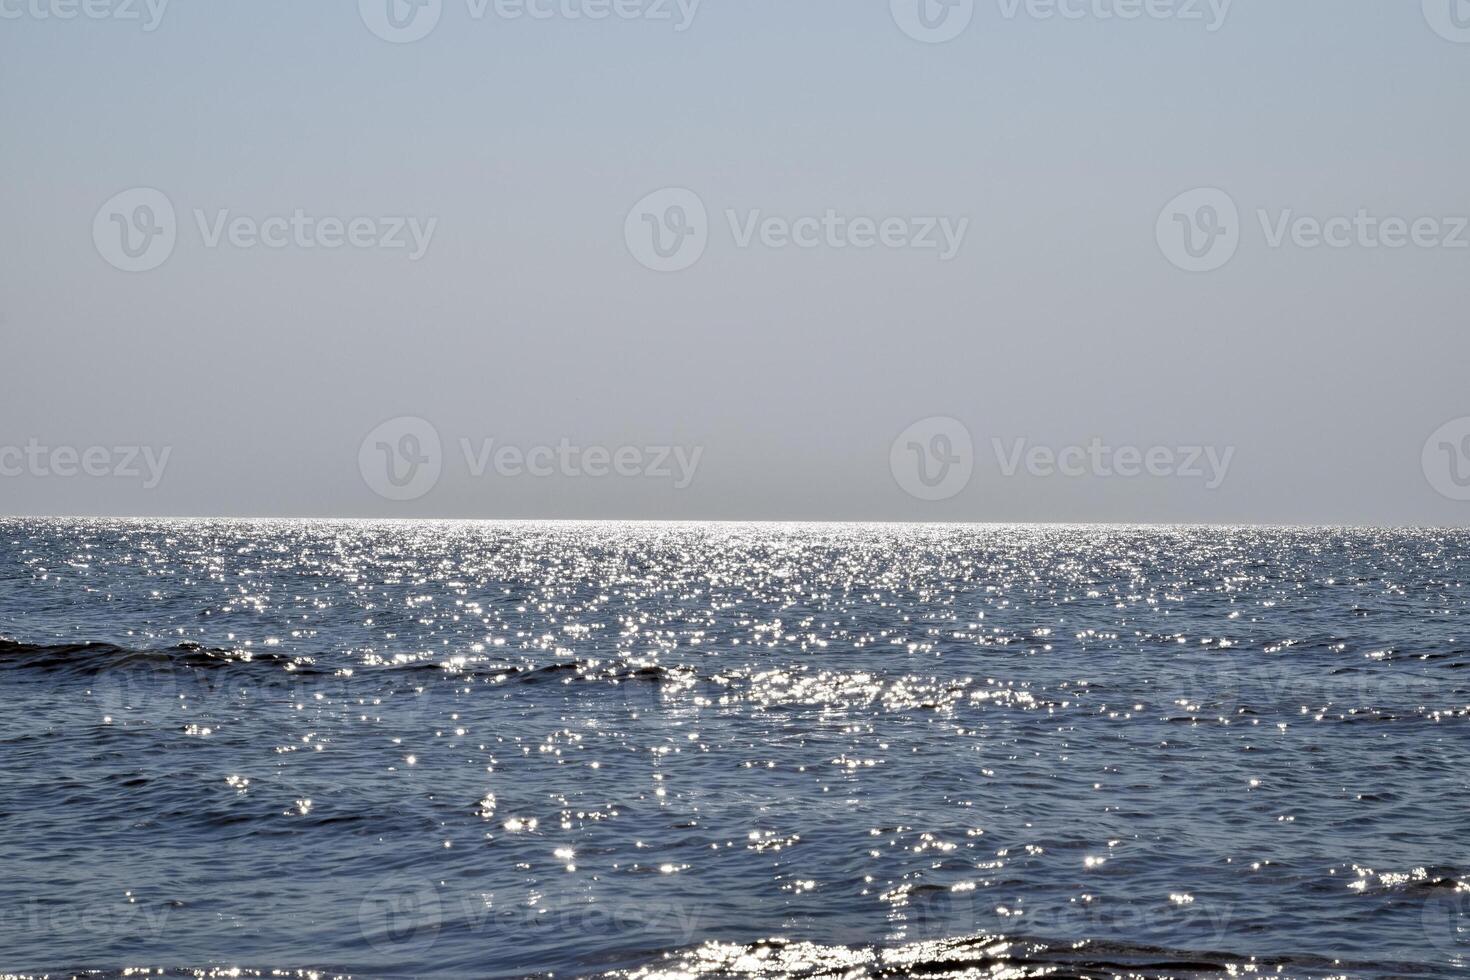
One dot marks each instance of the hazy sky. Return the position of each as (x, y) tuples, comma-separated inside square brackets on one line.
[(991, 231)]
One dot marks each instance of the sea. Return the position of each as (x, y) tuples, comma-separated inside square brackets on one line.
[(677, 751)]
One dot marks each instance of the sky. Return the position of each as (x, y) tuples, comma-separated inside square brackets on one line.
[(902, 260)]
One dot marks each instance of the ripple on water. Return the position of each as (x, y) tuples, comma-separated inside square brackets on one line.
[(457, 749)]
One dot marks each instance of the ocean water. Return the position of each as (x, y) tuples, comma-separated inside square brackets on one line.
[(669, 751)]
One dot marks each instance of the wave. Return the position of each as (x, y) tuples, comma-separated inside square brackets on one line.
[(990, 955), (968, 958), (581, 670), (91, 658), (595, 670)]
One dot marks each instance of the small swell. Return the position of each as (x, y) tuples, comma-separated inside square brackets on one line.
[(91, 659), (968, 958), (589, 670), (593, 670)]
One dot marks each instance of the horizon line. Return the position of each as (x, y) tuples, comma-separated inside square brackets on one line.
[(1240, 525)]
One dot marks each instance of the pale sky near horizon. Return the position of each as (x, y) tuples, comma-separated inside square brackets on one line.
[(1055, 321)]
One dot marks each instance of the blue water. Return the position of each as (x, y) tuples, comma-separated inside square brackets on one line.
[(485, 750)]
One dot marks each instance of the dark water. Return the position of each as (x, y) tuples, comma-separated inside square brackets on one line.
[(475, 750)]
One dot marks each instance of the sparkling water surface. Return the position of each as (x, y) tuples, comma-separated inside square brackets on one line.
[(504, 749)]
